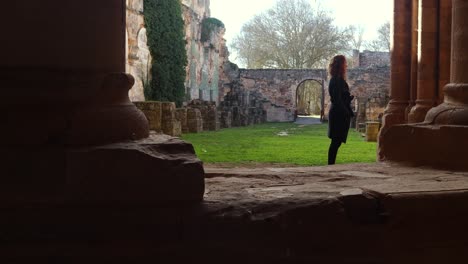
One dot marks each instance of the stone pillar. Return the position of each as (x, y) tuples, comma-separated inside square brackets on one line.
[(69, 131), (428, 52), (441, 140), (454, 110), (414, 57), (401, 65), (445, 45)]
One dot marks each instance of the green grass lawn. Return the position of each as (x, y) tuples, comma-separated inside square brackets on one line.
[(284, 143)]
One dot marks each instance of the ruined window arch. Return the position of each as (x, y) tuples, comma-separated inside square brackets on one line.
[(142, 39)]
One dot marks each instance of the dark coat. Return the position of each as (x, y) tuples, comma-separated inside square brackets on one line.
[(340, 113)]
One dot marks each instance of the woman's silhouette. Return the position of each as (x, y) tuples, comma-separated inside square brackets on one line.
[(340, 113)]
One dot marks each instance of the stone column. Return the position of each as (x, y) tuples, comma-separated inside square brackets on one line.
[(414, 57), (69, 131), (428, 52), (401, 65), (445, 36), (454, 110)]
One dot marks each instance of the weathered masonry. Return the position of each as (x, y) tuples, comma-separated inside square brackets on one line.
[(206, 50), (278, 88)]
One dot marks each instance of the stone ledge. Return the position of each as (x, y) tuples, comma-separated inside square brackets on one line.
[(439, 146), (358, 213), (155, 170)]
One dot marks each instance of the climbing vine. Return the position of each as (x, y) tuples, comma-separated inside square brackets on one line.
[(165, 30), (209, 25)]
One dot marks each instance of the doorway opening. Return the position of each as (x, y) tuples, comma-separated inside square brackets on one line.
[(310, 98)]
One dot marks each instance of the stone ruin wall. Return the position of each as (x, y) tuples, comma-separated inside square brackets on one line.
[(138, 56), (205, 59), (371, 88), (368, 58), (276, 89)]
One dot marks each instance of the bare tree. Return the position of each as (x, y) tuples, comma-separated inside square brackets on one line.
[(291, 34), (382, 43), (356, 36)]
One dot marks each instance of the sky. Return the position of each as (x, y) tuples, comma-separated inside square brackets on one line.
[(368, 13)]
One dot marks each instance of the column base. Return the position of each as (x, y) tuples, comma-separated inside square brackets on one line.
[(454, 110), (419, 111), (439, 146), (159, 169), (68, 107), (394, 114)]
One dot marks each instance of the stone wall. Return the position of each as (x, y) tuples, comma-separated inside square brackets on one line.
[(209, 114), (205, 57), (371, 88), (274, 90), (368, 58), (162, 117), (277, 89), (138, 59)]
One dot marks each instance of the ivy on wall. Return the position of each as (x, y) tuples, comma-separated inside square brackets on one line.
[(166, 41), (209, 25)]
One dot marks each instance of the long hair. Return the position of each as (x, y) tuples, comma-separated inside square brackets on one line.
[(337, 67)]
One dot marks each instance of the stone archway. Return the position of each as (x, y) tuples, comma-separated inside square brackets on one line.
[(310, 97)]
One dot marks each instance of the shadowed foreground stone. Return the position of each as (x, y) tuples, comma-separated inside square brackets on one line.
[(155, 170), (355, 213), (163, 169)]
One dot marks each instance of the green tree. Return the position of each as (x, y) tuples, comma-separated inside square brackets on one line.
[(166, 41), (292, 34)]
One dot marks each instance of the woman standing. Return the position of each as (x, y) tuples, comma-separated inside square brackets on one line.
[(340, 113)]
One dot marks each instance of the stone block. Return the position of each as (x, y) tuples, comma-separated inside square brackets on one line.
[(226, 119), (170, 125), (157, 169), (153, 112), (181, 115), (372, 131), (154, 170), (209, 114), (172, 128), (194, 120)]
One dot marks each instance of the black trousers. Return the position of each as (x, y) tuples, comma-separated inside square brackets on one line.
[(333, 150)]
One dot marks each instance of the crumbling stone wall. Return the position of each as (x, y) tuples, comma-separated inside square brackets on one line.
[(242, 107), (162, 117), (368, 58), (276, 89), (209, 113), (138, 59), (205, 57), (371, 89)]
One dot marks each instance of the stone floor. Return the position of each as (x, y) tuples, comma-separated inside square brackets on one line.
[(246, 190)]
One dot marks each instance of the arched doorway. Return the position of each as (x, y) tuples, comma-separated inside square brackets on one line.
[(310, 98)]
